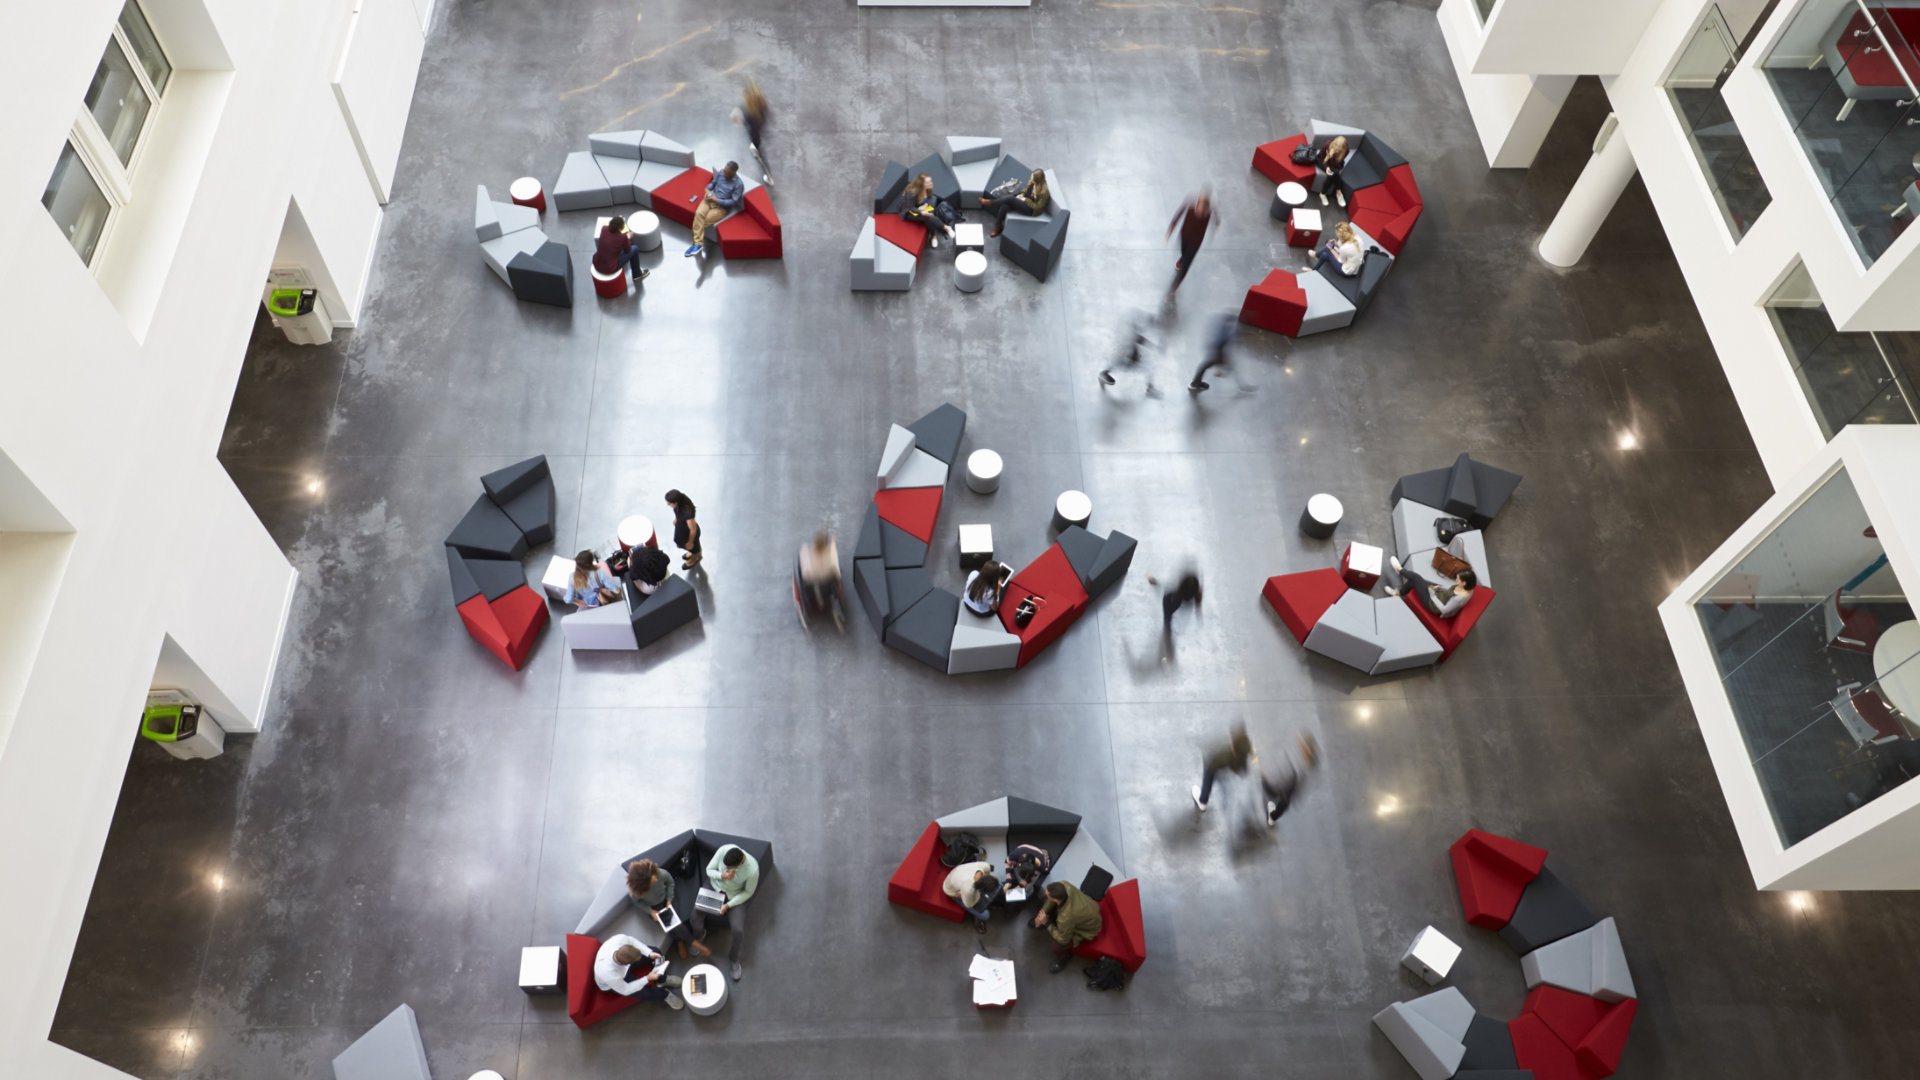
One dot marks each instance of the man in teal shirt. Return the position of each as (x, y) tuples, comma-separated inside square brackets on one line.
[(734, 874)]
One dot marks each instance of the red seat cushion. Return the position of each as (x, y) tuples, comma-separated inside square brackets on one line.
[(1451, 632), (916, 510), (676, 198), (1300, 599), (909, 236), (1400, 183), (1538, 1049), (1277, 304), (1568, 1015), (1393, 234), (754, 232), (920, 882), (485, 627), (587, 1004), (522, 613), (1492, 871), (1599, 1053), (1123, 934), (1051, 578), (1275, 161)]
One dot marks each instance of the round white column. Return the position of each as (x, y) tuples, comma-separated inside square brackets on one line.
[(1591, 199)]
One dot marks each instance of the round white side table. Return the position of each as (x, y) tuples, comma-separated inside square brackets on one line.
[(1321, 515), (969, 271), (644, 227), (1072, 508), (636, 531), (983, 472), (713, 996)]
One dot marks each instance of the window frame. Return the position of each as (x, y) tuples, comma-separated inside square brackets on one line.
[(95, 150)]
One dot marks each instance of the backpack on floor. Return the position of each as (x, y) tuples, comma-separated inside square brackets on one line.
[(1106, 974), (962, 849)]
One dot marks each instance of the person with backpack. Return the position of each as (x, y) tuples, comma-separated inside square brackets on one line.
[(973, 886), (1071, 917)]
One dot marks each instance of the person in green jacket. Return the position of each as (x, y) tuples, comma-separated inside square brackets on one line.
[(651, 887), (1072, 917), (734, 874)]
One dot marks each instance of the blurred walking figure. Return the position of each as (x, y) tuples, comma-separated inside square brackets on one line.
[(1194, 219), (817, 580), (1131, 359), (1216, 357), (1234, 756), (1187, 589), (1281, 784), (753, 115)]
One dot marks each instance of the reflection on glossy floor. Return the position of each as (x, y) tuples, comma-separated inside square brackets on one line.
[(414, 813)]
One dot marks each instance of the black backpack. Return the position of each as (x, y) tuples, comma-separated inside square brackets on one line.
[(963, 848), (1106, 974)]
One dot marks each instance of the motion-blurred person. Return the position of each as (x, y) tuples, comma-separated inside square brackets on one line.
[(1282, 783), (1137, 340), (754, 114), (1234, 756), (1194, 219), (820, 577), (1217, 356)]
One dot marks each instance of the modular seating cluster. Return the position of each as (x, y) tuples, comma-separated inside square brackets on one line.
[(483, 559), (390, 1050), (640, 621), (1380, 634), (1006, 823), (648, 169), (685, 856), (517, 248), (1383, 203), (929, 623), (886, 255), (1580, 1002)]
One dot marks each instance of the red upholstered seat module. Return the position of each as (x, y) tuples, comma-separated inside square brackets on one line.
[(1277, 304), (676, 198), (1387, 211), (1537, 1048), (915, 510), (1123, 934), (754, 232), (920, 881), (1051, 578), (1492, 871), (909, 236), (1300, 599), (1451, 632), (522, 613), (1275, 161), (587, 1004), (1599, 1053), (485, 627)]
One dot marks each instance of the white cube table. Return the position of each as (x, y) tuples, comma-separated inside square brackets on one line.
[(542, 970), (970, 236), (1431, 956), (976, 546), (559, 575)]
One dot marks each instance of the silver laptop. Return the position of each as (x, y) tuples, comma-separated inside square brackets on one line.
[(710, 901)]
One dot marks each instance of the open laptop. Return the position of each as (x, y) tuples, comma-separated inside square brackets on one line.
[(709, 901)]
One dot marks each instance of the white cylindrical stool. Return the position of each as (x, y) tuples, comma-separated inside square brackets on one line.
[(983, 471), (969, 271), (713, 991), (486, 1074), (644, 227), (636, 531), (526, 192), (1321, 515), (1072, 508), (1286, 195)]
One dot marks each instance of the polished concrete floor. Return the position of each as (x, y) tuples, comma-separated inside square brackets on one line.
[(414, 813)]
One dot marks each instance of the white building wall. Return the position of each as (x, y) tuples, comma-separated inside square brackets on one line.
[(114, 390)]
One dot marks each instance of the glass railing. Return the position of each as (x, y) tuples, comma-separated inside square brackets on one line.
[(1694, 88), (1854, 108), (1849, 378)]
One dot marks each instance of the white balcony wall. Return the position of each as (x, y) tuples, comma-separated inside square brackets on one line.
[(1561, 37)]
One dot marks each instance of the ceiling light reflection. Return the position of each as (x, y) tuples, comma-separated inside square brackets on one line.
[(1388, 806), (1629, 440)]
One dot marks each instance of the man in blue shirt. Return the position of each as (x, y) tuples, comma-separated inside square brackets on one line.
[(722, 198)]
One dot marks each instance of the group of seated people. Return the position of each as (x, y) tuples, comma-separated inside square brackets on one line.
[(629, 966), (919, 204), (1343, 247), (596, 581), (1069, 916)]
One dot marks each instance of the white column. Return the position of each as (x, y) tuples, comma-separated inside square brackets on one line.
[(1591, 199)]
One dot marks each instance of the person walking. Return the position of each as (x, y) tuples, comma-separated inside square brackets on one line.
[(1131, 358), (1216, 357), (1235, 756), (753, 115), (723, 196), (1281, 785), (686, 529), (1194, 219), (1186, 589)]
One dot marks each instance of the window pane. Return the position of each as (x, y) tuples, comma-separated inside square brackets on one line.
[(146, 47), (117, 102), (76, 203)]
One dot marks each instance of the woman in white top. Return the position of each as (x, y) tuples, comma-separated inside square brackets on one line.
[(1343, 248), (984, 588), (590, 585), (619, 953), (1441, 601)]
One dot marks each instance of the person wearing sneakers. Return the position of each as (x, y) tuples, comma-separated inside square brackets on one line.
[(973, 886), (652, 888), (723, 196), (1282, 784), (735, 875), (1233, 756), (613, 971), (613, 249)]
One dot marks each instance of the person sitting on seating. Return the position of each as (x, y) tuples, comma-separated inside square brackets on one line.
[(1027, 867), (918, 203), (612, 971), (1031, 198), (652, 888), (820, 577), (985, 587), (1072, 917), (722, 197), (1343, 247), (1441, 601), (1332, 160), (613, 248), (973, 886), (735, 875), (590, 585), (647, 567)]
